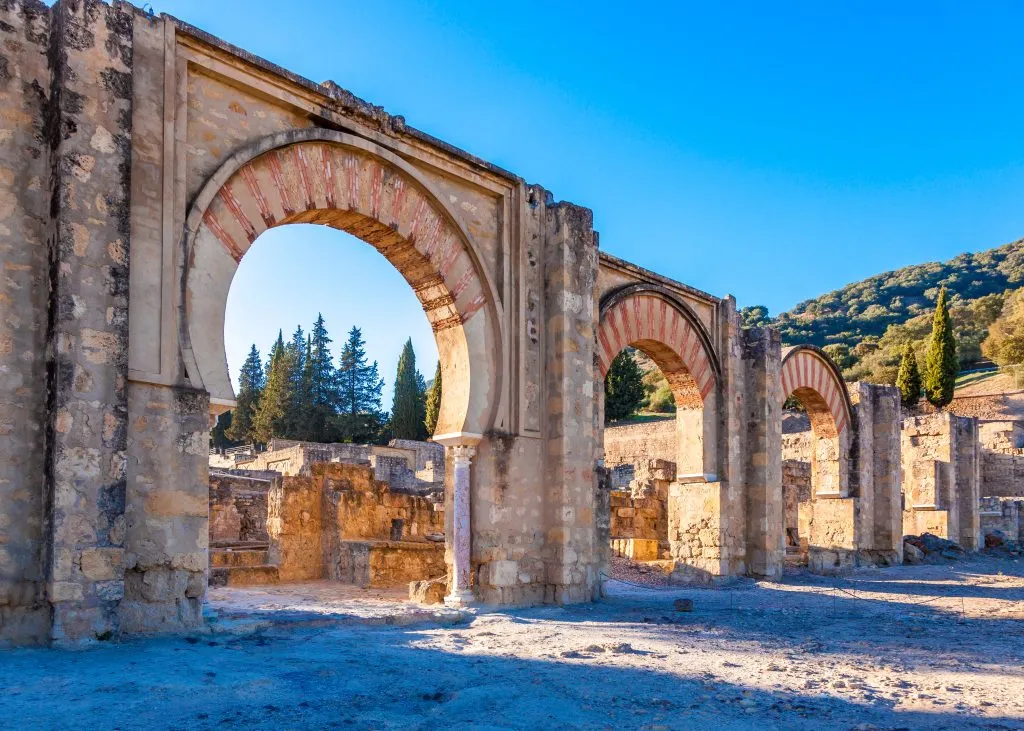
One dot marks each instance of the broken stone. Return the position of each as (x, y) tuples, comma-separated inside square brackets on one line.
[(912, 554), (429, 591)]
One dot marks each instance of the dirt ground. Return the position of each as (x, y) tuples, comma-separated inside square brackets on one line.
[(908, 647)]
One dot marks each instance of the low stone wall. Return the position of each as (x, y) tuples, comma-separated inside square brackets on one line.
[(639, 519), (1002, 473), (379, 564), (238, 507), (315, 523), (633, 443), (1003, 514), (403, 464)]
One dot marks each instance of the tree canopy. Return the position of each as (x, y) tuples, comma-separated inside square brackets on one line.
[(624, 390)]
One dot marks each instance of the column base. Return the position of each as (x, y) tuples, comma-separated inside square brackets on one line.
[(459, 599)]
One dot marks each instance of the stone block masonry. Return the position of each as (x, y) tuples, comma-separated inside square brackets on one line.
[(941, 459), (1002, 514), (341, 523), (89, 132), (141, 157)]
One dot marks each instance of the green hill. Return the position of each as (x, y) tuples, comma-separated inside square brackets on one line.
[(864, 321)]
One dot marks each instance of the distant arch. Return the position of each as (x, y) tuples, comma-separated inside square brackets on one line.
[(809, 375), (651, 319)]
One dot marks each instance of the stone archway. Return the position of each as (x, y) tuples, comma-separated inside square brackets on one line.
[(338, 180), (827, 521), (809, 375), (653, 321)]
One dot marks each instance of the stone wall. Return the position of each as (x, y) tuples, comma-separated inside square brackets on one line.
[(941, 474), (25, 137), (1002, 514), (1002, 473), (1002, 458), (341, 523), (166, 530), (403, 464), (238, 508), (634, 443), (796, 489)]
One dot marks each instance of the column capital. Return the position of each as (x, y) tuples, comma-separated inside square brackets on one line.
[(458, 439)]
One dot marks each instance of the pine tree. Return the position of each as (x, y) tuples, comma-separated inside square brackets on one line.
[(432, 404), (406, 410), (295, 426), (623, 388), (359, 389), (909, 378), (269, 421), (250, 389), (940, 365), (323, 385)]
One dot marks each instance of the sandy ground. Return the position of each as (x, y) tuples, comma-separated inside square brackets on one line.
[(909, 647)]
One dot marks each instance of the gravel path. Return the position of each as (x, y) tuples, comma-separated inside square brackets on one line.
[(907, 647)]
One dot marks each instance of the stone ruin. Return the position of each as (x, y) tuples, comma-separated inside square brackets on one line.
[(960, 480), (359, 514), (403, 463), (141, 159)]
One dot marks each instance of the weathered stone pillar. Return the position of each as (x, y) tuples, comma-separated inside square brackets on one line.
[(876, 480), (732, 447), (762, 358), (570, 273), (89, 130)]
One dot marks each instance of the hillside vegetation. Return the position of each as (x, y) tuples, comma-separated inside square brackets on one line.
[(865, 325)]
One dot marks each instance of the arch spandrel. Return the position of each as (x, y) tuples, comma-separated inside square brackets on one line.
[(334, 179)]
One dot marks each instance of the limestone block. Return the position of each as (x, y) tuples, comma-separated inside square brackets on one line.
[(102, 564), (64, 591)]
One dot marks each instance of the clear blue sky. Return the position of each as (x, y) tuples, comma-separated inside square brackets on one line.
[(773, 151)]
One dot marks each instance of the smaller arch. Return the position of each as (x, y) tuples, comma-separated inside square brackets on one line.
[(649, 318), (647, 313), (807, 370), (808, 374)]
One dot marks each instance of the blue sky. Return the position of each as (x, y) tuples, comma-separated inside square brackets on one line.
[(773, 151)]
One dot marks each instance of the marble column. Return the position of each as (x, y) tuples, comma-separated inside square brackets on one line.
[(461, 593)]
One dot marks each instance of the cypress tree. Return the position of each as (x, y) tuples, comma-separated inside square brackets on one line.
[(432, 405), (359, 389), (421, 405), (940, 365), (250, 389), (909, 378), (623, 388), (269, 421), (407, 419)]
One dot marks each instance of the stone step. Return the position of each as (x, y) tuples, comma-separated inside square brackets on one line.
[(244, 575), (223, 558)]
